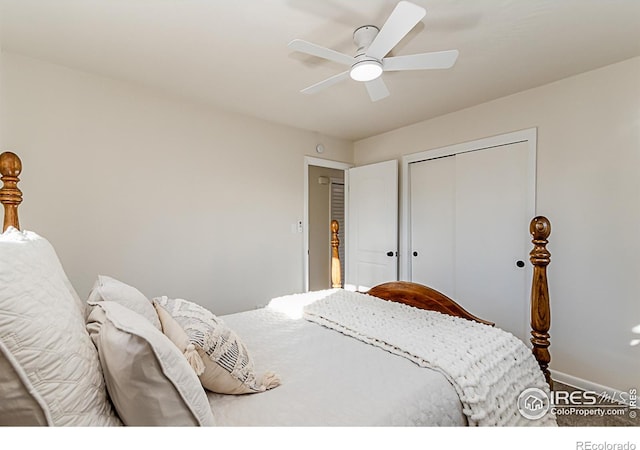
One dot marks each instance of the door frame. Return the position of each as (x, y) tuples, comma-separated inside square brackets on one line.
[(330, 164), (528, 135)]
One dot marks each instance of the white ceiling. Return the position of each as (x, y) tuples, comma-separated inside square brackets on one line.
[(233, 53)]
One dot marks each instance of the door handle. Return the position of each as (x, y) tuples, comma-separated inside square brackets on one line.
[(389, 253), (520, 263), (415, 253)]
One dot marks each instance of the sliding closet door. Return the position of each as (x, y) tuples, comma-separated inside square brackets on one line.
[(469, 216), (433, 223), (492, 220)]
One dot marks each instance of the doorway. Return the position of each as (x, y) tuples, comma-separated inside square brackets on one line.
[(324, 201)]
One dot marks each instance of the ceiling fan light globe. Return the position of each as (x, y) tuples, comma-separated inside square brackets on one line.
[(366, 70)]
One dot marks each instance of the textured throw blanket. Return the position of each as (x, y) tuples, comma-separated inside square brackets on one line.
[(488, 367)]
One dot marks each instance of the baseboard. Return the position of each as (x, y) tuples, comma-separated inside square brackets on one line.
[(586, 385)]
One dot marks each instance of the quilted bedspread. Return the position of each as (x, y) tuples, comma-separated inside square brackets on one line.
[(329, 379)]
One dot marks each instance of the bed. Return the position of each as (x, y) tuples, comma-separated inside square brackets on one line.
[(399, 354)]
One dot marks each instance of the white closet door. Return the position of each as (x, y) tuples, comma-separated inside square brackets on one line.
[(372, 225), (433, 190), (469, 217), (492, 217)]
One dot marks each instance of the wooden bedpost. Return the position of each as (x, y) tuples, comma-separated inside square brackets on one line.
[(336, 277), (10, 195), (540, 229)]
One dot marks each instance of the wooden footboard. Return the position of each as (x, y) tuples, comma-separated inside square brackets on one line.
[(540, 257), (427, 298), (424, 297)]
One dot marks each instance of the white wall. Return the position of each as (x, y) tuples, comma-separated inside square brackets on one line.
[(172, 197), (588, 184)]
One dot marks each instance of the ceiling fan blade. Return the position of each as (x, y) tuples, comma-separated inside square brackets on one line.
[(432, 60), (377, 89), (326, 83), (404, 17), (321, 52)]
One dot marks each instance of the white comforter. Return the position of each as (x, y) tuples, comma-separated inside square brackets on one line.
[(329, 379)]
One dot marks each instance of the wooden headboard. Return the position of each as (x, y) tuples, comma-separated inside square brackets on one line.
[(10, 195)]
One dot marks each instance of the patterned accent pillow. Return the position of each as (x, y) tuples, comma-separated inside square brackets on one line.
[(214, 351)]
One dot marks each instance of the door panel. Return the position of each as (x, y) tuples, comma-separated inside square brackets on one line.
[(433, 223), (491, 221), (372, 225), (469, 219)]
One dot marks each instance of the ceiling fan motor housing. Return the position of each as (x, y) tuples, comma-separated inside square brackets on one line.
[(365, 68), (363, 37)]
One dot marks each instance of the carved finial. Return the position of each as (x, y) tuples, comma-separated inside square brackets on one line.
[(541, 225), (540, 229), (10, 195), (336, 270), (10, 165)]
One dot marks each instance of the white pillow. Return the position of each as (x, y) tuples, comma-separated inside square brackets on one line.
[(214, 351), (21, 404), (111, 290), (149, 381), (42, 326)]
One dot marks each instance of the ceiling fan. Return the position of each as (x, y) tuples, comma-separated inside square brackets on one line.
[(373, 45)]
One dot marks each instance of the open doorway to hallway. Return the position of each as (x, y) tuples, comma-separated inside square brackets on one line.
[(326, 202)]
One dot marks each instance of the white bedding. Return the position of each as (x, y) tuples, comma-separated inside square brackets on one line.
[(335, 381), (489, 367)]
